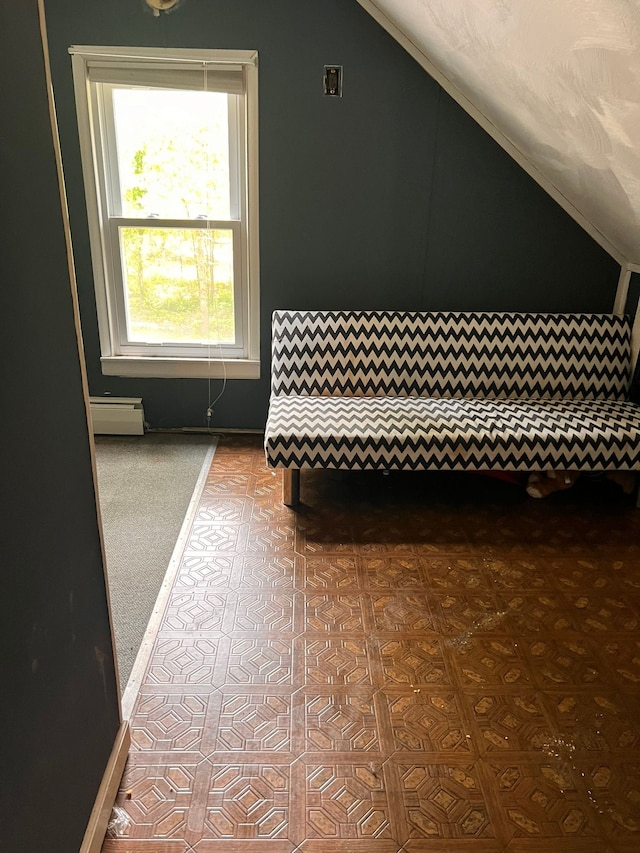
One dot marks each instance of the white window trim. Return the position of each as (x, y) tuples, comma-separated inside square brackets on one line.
[(180, 368), (210, 364)]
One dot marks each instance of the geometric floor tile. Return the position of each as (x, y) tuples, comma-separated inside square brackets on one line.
[(254, 723), (484, 662), (598, 613), (260, 611), (346, 802), (541, 801), (263, 510), (428, 721), (626, 573), (582, 574), (314, 540), (213, 539), (539, 612), (212, 511), (621, 659), (466, 615), (265, 572), (429, 663), (333, 613), (266, 484), (229, 484), (392, 573), (197, 570), (168, 723), (565, 660), (341, 723), (457, 575), (163, 797), (194, 610), (614, 791), (183, 660), (413, 662), (596, 722), (259, 661), (274, 538), (337, 661), (519, 574), (247, 802), (444, 801), (331, 572), (509, 722), (406, 612)]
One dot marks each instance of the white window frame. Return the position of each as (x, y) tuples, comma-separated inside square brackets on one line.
[(120, 357)]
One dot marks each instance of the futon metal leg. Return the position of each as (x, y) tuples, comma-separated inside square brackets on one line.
[(291, 486)]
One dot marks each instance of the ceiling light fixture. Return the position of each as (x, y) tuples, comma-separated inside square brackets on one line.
[(161, 5)]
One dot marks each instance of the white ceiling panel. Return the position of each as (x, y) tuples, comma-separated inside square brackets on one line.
[(556, 82)]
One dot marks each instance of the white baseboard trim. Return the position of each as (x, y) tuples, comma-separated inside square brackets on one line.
[(101, 812)]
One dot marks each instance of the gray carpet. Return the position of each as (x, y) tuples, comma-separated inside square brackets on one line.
[(145, 485)]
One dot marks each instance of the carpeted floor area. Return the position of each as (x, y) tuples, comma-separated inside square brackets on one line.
[(145, 484), (411, 663)]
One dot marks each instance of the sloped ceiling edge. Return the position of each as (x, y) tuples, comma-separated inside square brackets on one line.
[(622, 243)]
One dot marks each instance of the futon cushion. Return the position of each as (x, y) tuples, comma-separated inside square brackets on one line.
[(451, 434), (450, 354)]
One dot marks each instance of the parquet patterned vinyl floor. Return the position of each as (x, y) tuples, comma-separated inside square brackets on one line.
[(411, 663)]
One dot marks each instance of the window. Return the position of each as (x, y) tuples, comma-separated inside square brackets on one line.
[(169, 153)]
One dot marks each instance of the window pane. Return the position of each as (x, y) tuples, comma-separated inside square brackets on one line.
[(178, 285), (173, 153)]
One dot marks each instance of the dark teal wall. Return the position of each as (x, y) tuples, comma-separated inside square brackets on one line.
[(633, 299), (59, 697), (391, 197)]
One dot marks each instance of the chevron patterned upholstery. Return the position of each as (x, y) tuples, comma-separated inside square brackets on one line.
[(451, 391)]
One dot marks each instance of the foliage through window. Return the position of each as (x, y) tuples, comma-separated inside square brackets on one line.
[(166, 138)]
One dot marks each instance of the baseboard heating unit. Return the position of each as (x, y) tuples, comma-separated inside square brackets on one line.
[(117, 415)]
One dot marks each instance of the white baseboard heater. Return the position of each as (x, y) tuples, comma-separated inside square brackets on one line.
[(117, 415)]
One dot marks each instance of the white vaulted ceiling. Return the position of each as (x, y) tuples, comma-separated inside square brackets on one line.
[(556, 83)]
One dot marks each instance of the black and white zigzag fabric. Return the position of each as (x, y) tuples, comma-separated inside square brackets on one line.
[(452, 434), (451, 391), (450, 354)]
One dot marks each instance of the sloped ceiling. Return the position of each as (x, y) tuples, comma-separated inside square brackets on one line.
[(556, 82)]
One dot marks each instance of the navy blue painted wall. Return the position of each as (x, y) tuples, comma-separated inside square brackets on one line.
[(59, 708), (391, 197), (633, 298)]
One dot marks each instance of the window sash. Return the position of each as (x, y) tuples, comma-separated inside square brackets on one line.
[(109, 177), (108, 165), (122, 345)]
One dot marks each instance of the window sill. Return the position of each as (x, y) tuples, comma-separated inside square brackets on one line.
[(180, 368)]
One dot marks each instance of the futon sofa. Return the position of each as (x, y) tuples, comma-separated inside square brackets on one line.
[(450, 391)]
